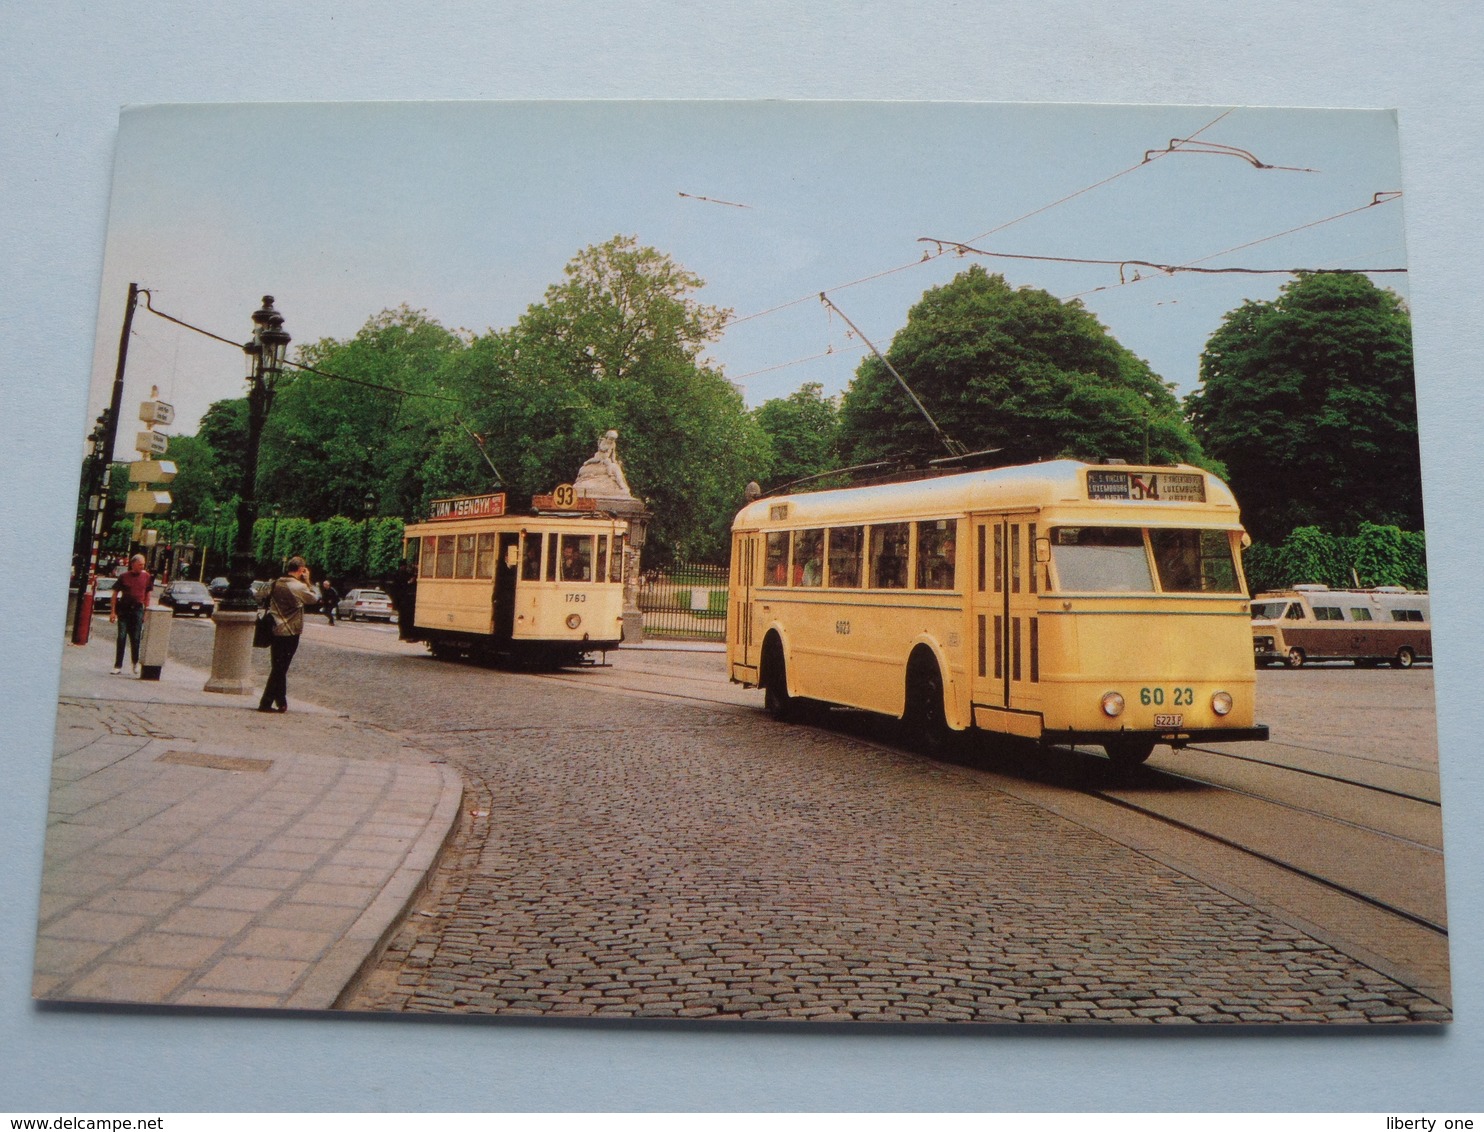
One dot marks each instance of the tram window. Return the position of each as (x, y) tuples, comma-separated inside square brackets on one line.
[(1101, 559), (577, 558), (530, 563), (1194, 561), (775, 567), (464, 562), (615, 560), (889, 556), (846, 545), (937, 553), (1328, 613), (445, 556), (1360, 613), (809, 557), (600, 566), (428, 566), (551, 557), (484, 556)]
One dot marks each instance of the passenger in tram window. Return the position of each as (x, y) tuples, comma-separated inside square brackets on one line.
[(574, 562)]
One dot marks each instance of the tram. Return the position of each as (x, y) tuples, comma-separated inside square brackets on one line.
[(544, 587), (1063, 602), (1387, 624)]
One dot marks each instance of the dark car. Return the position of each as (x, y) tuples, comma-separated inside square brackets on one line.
[(372, 605), (191, 598), (219, 586), (103, 595)]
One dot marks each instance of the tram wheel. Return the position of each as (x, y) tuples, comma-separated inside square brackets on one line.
[(1129, 752), (925, 717), (1404, 658), (1295, 658)]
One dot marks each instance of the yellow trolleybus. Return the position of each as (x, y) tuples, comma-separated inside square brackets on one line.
[(540, 587), (1063, 602)]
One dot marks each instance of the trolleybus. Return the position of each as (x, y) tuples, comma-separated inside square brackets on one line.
[(539, 587), (1313, 622), (1063, 602)]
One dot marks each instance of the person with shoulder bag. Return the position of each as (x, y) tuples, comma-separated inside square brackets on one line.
[(130, 596), (286, 601)]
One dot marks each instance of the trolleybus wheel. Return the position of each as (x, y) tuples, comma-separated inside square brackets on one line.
[(925, 716), (776, 700), (1404, 658), (1129, 752), (1295, 658)]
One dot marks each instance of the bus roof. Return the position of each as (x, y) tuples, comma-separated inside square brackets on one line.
[(1095, 487)]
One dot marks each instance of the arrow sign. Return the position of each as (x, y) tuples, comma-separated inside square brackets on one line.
[(147, 502), (151, 443), (151, 471)]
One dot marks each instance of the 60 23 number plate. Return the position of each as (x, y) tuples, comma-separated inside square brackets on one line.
[(1169, 720)]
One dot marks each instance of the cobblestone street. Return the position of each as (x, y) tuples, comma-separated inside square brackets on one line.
[(675, 863)]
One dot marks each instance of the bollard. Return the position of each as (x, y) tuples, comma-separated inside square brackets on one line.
[(154, 645)]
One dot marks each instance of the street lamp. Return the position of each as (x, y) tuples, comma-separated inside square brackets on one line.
[(232, 652), (212, 549), (273, 542), (369, 506)]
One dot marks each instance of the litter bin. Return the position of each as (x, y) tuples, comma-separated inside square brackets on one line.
[(154, 646)]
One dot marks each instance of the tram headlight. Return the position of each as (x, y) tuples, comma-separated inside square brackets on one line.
[(573, 620), (1112, 704), (1221, 703)]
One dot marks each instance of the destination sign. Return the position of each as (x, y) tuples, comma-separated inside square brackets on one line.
[(1165, 487), (468, 507)]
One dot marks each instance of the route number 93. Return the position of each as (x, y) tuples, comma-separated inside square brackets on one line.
[(1182, 697)]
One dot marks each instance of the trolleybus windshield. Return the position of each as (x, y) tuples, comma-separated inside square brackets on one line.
[(1118, 560)]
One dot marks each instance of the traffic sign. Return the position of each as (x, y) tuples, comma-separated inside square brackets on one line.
[(151, 443), (146, 502), (156, 412), (151, 471)]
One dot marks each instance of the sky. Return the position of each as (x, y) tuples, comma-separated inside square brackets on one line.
[(468, 211)]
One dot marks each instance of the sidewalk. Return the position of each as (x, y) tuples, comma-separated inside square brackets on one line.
[(202, 853)]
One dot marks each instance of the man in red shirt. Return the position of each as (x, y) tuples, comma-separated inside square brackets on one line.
[(130, 596)]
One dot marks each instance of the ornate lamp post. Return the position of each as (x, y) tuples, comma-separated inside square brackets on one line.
[(369, 508), (231, 657), (273, 542)]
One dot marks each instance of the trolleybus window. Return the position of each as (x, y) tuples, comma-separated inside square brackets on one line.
[(1101, 559), (846, 544), (445, 556), (1194, 561), (809, 557), (889, 556), (936, 554), (577, 558), (484, 559), (775, 567), (530, 563)]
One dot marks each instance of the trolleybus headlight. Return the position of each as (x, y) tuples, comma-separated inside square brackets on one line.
[(1112, 704), (573, 620), (1221, 703)]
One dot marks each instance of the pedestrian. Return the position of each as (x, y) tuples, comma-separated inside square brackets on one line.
[(285, 602), (328, 597), (130, 596)]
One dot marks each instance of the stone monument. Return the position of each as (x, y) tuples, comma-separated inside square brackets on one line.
[(601, 479)]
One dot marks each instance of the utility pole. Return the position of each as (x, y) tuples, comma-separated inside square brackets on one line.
[(100, 475)]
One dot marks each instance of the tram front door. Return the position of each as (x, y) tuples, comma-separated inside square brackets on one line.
[(506, 569)]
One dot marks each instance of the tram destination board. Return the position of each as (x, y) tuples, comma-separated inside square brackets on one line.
[(1170, 487), (468, 507)]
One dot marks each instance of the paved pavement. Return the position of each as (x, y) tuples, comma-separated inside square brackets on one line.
[(202, 853)]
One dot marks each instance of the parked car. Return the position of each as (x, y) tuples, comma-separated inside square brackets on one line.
[(219, 586), (103, 595), (186, 597), (371, 605)]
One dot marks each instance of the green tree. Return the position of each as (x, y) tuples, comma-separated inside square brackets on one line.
[(801, 429), (1310, 402), (618, 344), (1015, 369)]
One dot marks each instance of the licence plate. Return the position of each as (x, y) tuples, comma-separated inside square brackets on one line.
[(1169, 720)]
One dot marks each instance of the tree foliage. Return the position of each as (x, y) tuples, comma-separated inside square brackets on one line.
[(1375, 555), (1310, 402), (801, 430), (1015, 369)]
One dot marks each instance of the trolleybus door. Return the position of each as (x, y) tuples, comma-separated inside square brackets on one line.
[(1006, 628), (746, 561)]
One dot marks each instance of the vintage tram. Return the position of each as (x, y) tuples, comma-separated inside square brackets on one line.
[(545, 587), (1063, 602)]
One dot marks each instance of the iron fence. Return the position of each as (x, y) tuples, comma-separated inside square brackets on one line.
[(687, 601)]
